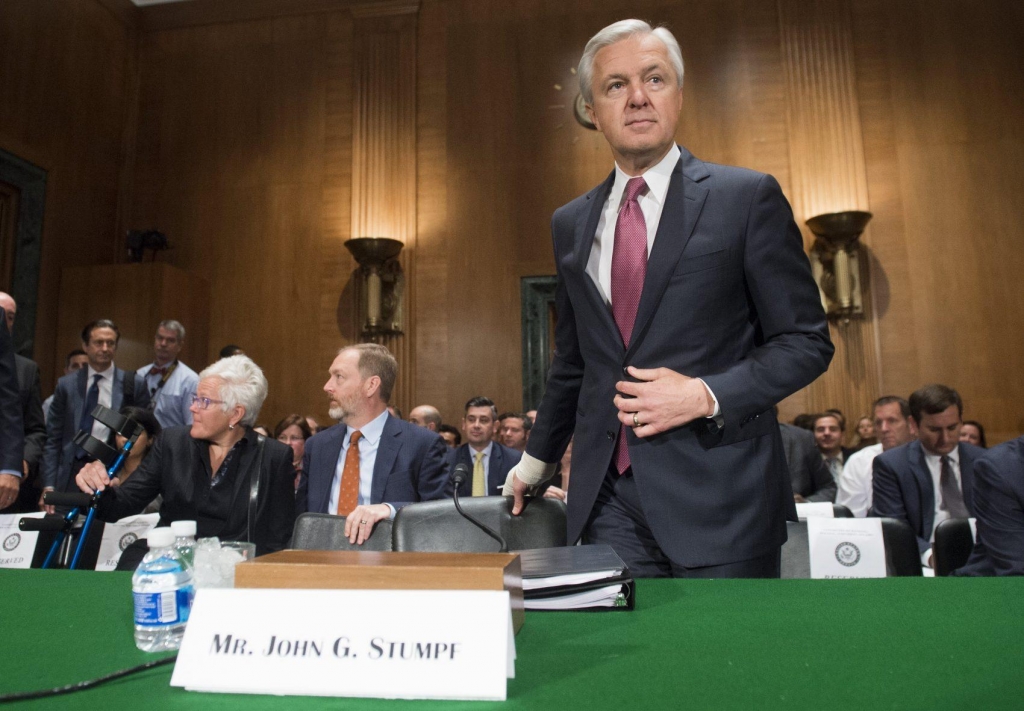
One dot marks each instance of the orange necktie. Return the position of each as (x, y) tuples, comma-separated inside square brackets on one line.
[(348, 494)]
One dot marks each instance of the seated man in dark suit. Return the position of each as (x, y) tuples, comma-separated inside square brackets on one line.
[(999, 506), (808, 474), (828, 435), (101, 382), (931, 479), (489, 461), (393, 462)]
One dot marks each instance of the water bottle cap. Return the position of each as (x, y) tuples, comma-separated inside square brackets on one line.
[(160, 538), (184, 528)]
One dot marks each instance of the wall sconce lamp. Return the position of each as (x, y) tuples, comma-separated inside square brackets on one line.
[(835, 261), (382, 284)]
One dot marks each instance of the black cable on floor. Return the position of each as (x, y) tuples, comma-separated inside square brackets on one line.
[(83, 685)]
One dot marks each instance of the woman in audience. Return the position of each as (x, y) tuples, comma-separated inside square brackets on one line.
[(209, 472), (973, 433), (294, 431), (864, 434)]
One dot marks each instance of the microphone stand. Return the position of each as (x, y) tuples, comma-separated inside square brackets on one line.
[(458, 477)]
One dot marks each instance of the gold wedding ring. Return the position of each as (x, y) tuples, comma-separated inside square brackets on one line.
[(636, 422)]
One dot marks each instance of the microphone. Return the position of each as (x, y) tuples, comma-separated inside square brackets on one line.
[(458, 477)]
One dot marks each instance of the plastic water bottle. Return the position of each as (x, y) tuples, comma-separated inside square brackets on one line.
[(163, 592), (185, 540)]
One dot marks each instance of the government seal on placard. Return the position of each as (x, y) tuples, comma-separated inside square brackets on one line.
[(12, 541), (847, 554), (126, 540)]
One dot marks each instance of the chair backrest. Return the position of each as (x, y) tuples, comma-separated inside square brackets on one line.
[(437, 527), (953, 545), (324, 532), (841, 512), (901, 553)]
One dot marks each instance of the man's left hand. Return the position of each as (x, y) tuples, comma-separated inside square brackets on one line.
[(9, 485), (662, 400), (359, 524)]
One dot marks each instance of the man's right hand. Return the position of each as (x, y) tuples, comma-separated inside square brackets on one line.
[(529, 472), (92, 477)]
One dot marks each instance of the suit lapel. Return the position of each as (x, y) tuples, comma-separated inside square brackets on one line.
[(331, 450), (117, 390), (926, 489), (497, 459), (583, 245), (967, 478), (683, 204), (387, 452), (81, 381)]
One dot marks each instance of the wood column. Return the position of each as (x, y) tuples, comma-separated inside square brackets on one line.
[(384, 151), (828, 174)]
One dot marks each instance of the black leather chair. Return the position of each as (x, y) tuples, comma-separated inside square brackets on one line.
[(437, 527), (324, 532), (953, 545), (902, 558)]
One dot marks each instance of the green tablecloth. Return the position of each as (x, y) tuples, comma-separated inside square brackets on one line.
[(899, 643)]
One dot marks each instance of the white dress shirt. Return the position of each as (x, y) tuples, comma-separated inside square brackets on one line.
[(175, 397), (106, 385), (855, 483), (367, 444)]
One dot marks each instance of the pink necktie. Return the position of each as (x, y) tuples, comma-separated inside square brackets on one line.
[(629, 267)]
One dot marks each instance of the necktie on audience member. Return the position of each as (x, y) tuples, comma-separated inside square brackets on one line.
[(629, 269), (479, 476), (952, 498), (348, 492), (92, 399)]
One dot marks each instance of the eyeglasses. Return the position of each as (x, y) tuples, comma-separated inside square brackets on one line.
[(203, 403)]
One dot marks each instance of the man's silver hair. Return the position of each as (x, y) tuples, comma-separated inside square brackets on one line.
[(242, 383), (172, 325), (616, 32)]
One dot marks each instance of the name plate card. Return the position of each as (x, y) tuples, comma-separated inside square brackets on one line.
[(390, 644), (846, 547), (118, 536), (814, 509), (17, 547)]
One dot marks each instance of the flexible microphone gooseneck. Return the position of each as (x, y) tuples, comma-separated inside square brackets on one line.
[(459, 476)]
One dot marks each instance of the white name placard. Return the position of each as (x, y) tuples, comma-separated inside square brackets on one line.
[(814, 509), (846, 547), (16, 546), (118, 536), (392, 644)]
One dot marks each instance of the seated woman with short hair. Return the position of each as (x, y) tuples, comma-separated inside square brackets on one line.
[(209, 471)]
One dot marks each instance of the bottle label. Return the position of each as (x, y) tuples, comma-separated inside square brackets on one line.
[(162, 609)]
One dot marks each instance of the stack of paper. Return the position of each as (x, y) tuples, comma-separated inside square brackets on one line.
[(576, 578)]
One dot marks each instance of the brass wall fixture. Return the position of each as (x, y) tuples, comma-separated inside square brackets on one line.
[(382, 284), (835, 261)]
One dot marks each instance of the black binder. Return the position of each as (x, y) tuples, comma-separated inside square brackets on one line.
[(595, 567)]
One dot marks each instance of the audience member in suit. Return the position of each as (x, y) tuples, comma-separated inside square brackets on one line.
[(101, 382), (206, 472), (169, 382), (392, 462), (972, 432), (999, 506), (488, 461), (514, 430), (12, 433), (73, 362), (828, 435), (451, 435), (30, 397), (808, 474), (931, 479), (894, 427), (426, 416)]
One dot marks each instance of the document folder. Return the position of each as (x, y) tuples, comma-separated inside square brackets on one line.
[(589, 577)]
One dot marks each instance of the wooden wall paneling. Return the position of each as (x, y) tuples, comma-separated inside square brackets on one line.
[(63, 81), (828, 174), (384, 153)]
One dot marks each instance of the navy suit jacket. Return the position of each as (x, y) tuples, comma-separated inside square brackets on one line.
[(903, 488), (502, 460), (999, 506), (66, 414), (31, 410), (12, 433), (729, 298), (409, 466)]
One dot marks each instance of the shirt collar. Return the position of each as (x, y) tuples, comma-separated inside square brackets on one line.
[(486, 451), (657, 178), (372, 430), (936, 459), (107, 374)]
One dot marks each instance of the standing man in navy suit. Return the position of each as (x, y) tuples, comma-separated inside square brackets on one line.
[(686, 310), (932, 479), (12, 434), (488, 461), (77, 394), (371, 464)]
